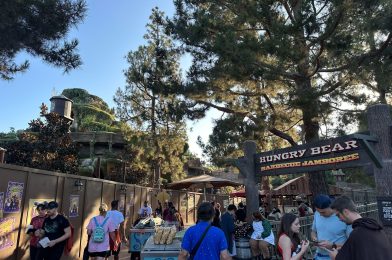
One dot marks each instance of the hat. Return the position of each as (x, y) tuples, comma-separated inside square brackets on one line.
[(53, 205), (322, 201)]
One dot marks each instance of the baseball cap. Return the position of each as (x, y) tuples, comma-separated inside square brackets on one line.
[(53, 205), (322, 201)]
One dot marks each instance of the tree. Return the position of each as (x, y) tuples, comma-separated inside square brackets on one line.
[(292, 56), (46, 145), (149, 104), (90, 112), (38, 27)]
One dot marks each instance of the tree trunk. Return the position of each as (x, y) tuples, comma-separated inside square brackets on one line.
[(379, 124), (310, 113)]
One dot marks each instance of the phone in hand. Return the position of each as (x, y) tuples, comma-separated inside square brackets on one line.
[(314, 242)]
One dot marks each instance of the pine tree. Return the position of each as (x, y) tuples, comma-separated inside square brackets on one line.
[(304, 52), (38, 27), (149, 104)]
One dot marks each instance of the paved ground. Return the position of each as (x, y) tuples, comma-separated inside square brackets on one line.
[(123, 254)]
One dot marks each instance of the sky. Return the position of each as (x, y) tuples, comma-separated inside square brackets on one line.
[(109, 31)]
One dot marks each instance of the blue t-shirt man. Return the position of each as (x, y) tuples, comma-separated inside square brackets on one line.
[(213, 243), (328, 227)]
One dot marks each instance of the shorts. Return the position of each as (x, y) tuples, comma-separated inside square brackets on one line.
[(118, 239), (101, 254)]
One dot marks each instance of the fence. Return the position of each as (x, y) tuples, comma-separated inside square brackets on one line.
[(78, 198)]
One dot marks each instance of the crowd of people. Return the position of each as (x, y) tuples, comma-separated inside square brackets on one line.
[(338, 232), (222, 230), (51, 233)]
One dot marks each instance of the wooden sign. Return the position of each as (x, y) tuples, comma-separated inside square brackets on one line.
[(343, 152)]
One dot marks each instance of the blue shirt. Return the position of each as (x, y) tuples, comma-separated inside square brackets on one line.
[(213, 243), (331, 229)]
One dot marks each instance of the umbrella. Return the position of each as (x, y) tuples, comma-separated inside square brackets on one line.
[(242, 193), (203, 181), (163, 196)]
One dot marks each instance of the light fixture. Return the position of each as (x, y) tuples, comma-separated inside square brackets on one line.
[(79, 185), (123, 188)]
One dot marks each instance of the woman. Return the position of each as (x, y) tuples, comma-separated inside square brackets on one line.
[(216, 221), (98, 246), (290, 246), (261, 237), (169, 213), (159, 210), (36, 224)]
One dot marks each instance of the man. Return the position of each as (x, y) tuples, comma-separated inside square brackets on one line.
[(118, 220), (145, 211), (227, 226), (327, 229), (213, 246), (36, 224), (241, 212), (367, 241), (57, 229)]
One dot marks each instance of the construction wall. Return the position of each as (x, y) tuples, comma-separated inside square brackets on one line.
[(32, 185)]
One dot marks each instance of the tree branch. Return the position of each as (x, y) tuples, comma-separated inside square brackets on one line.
[(223, 109), (282, 135), (358, 60)]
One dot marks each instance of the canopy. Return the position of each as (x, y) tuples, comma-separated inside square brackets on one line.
[(242, 193), (203, 181)]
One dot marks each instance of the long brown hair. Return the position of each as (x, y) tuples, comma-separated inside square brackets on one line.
[(258, 216), (285, 228)]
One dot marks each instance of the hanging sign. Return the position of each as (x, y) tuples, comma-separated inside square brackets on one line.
[(337, 153)]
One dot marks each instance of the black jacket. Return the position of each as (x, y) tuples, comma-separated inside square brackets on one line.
[(227, 226), (367, 241)]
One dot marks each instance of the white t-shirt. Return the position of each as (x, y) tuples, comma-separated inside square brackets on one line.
[(258, 229), (145, 211), (116, 216)]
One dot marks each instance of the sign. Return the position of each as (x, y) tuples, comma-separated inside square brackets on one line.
[(337, 153), (73, 206), (6, 232), (385, 210), (13, 198), (121, 203), (131, 198), (1, 204)]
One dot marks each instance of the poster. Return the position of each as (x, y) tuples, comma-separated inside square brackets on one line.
[(121, 203), (1, 204), (33, 207), (13, 197), (131, 198), (183, 205), (73, 206), (128, 210), (6, 232)]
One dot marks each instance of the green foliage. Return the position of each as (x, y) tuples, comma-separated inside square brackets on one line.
[(359, 176), (149, 104), (46, 145), (276, 181), (90, 112), (280, 64), (38, 27)]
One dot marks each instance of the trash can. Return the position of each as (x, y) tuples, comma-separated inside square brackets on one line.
[(243, 249)]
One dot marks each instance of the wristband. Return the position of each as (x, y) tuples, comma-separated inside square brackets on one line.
[(334, 246)]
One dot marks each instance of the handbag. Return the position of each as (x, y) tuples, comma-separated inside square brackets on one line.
[(194, 250)]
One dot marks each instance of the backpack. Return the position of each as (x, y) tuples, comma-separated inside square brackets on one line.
[(98, 235)]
